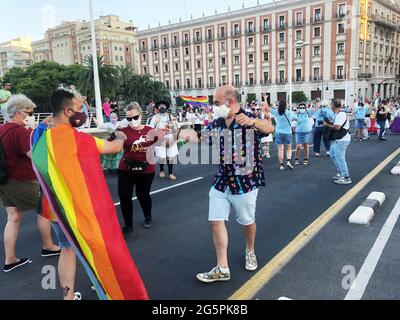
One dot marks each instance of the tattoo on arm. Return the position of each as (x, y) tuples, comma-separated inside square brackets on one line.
[(66, 291)]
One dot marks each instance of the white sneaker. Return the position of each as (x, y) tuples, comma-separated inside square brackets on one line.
[(337, 177), (251, 261), (77, 296), (343, 181)]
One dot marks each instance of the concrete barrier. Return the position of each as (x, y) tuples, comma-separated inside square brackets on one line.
[(366, 212), (396, 170)]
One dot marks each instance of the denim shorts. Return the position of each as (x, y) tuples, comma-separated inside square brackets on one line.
[(303, 137), (360, 124), (63, 243), (244, 205), (283, 138)]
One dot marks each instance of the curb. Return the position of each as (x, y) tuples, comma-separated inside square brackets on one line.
[(366, 212)]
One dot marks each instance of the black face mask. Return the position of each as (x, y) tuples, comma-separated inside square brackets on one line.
[(78, 119), (163, 110)]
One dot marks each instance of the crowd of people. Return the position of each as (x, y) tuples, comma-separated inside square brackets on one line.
[(236, 184)]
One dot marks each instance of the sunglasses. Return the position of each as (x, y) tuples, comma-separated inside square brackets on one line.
[(29, 113), (130, 119)]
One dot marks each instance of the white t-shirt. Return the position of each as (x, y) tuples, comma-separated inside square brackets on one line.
[(340, 120)]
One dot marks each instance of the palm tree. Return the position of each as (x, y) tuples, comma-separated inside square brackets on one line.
[(124, 75), (160, 92), (141, 89), (107, 77)]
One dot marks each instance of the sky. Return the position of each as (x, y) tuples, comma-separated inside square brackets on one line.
[(33, 17)]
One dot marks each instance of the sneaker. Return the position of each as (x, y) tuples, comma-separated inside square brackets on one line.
[(20, 263), (49, 253), (328, 154), (317, 155), (162, 175), (93, 288), (282, 168), (296, 162), (172, 177), (251, 261), (77, 296), (289, 165), (305, 162), (343, 181), (148, 224), (337, 177), (213, 276), (127, 230)]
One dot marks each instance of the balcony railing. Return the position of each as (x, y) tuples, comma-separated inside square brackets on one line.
[(222, 36), (384, 22), (142, 49), (154, 47), (250, 31), (299, 23), (317, 19), (236, 33), (266, 28), (299, 79), (185, 42), (281, 26), (281, 81), (164, 46), (198, 40), (341, 14), (175, 44), (338, 77), (210, 38), (365, 76)]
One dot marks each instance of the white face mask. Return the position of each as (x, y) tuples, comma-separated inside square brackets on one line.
[(30, 122), (302, 110), (136, 123), (222, 111)]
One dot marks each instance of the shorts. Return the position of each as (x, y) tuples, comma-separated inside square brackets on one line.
[(63, 242), (283, 138), (244, 205), (23, 195), (368, 122), (303, 137), (360, 124)]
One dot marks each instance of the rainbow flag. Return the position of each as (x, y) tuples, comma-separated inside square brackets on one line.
[(201, 102), (69, 171)]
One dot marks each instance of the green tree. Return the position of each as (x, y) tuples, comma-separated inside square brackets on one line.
[(251, 97), (299, 96), (124, 76), (107, 77)]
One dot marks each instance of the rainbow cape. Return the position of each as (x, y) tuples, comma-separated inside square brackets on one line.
[(67, 165), (202, 101)]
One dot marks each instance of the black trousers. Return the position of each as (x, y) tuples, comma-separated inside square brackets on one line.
[(126, 182)]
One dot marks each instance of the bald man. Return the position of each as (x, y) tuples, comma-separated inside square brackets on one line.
[(237, 182)]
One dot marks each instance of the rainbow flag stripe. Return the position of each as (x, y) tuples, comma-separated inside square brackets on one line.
[(69, 171), (202, 101)]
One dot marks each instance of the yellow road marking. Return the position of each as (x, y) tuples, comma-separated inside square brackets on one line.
[(261, 278)]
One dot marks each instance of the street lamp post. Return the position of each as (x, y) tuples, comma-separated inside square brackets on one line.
[(99, 111)]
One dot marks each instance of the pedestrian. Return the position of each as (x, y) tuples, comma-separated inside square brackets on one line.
[(20, 193), (135, 171), (324, 113), (303, 133), (381, 118), (360, 112), (340, 140), (284, 134), (107, 109), (77, 193), (5, 94), (236, 185), (167, 152), (368, 115)]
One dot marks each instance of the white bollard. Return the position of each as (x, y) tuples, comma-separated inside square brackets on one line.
[(366, 212)]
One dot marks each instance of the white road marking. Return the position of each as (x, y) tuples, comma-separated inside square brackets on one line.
[(359, 286), (167, 188)]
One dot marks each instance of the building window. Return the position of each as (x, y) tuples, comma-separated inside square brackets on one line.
[(155, 55), (251, 42), (223, 47), (223, 79), (251, 78), (341, 28), (266, 77), (176, 66), (281, 76), (340, 47), (144, 57), (317, 32), (299, 35), (198, 64), (266, 40), (186, 51), (317, 50), (165, 54), (317, 14), (223, 62), (281, 54), (188, 84), (210, 48), (316, 74), (237, 79), (145, 70), (211, 81), (298, 75), (187, 65), (222, 32), (156, 69), (298, 53), (236, 44), (198, 49), (250, 26), (178, 84), (251, 58), (176, 52), (342, 10), (167, 84), (210, 34), (237, 60), (299, 18), (266, 24), (339, 72), (211, 63), (266, 56), (166, 68), (282, 21), (199, 83), (281, 37), (236, 29)]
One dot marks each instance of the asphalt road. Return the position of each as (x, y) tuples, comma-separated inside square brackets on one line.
[(179, 246)]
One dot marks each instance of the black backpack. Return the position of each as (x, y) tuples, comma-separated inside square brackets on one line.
[(3, 160)]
